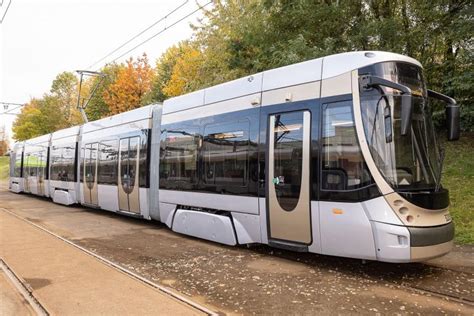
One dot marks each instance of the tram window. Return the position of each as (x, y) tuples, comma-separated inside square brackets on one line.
[(18, 163), (225, 154), (32, 163), (343, 166), (81, 165), (62, 162), (144, 165), (108, 153), (41, 159), (178, 163)]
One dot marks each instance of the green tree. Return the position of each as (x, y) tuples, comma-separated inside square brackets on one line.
[(239, 37), (38, 117), (64, 88), (164, 69)]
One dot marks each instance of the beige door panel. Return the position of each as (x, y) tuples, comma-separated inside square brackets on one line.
[(293, 225)]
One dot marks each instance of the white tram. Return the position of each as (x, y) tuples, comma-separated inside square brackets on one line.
[(335, 155)]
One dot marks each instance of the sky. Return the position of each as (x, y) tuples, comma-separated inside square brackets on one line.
[(42, 38)]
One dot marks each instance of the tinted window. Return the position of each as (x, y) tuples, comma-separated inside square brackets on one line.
[(31, 164), (179, 157), (81, 169), (288, 158), (108, 153), (343, 167), (63, 162), (41, 158), (90, 160), (225, 154), (18, 163), (144, 165)]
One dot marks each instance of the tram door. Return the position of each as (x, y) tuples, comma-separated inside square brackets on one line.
[(26, 173), (288, 177), (90, 174), (40, 172), (128, 175)]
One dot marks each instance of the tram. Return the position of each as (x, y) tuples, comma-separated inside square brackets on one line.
[(335, 156)]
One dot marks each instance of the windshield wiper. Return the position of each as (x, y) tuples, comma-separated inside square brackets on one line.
[(369, 81), (441, 161)]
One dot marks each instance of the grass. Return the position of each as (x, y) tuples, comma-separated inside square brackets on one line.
[(458, 178), (4, 167)]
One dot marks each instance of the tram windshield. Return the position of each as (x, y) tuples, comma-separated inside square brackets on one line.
[(410, 162)]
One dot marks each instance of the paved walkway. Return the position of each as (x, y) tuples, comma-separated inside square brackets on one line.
[(67, 281)]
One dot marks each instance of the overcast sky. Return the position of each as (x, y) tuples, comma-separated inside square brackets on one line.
[(41, 38)]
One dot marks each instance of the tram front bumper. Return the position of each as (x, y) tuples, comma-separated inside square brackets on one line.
[(397, 243), (430, 242)]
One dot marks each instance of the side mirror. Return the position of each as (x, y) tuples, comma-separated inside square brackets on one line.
[(453, 122), (452, 114)]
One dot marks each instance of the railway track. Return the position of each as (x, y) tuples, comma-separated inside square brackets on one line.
[(428, 292), (23, 289), (400, 284), (26, 290)]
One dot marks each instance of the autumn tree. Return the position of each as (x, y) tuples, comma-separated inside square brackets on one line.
[(163, 71), (4, 143), (186, 75), (132, 87)]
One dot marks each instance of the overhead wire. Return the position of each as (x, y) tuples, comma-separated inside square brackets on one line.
[(19, 105), (6, 10), (162, 30), (140, 33)]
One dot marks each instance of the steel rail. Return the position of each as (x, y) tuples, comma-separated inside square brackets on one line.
[(161, 288), (25, 290)]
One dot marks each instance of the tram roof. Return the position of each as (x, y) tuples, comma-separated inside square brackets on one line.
[(295, 74)]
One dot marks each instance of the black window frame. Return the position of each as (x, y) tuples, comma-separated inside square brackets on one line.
[(113, 180), (194, 179), (241, 125), (69, 166)]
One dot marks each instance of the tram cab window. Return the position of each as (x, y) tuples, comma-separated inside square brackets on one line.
[(225, 153), (179, 158), (343, 166), (108, 153)]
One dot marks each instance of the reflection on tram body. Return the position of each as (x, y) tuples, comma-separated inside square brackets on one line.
[(335, 155)]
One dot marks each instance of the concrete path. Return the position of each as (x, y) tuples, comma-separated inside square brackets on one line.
[(67, 281)]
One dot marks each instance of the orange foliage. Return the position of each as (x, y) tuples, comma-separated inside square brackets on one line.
[(132, 88), (186, 74)]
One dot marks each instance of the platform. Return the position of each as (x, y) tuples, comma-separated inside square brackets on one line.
[(66, 280)]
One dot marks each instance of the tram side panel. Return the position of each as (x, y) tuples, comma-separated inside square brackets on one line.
[(209, 170), (114, 163)]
